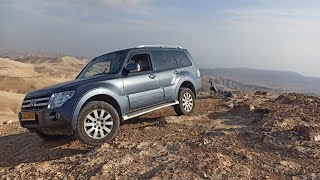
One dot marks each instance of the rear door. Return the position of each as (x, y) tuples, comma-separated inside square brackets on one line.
[(142, 88), (166, 68)]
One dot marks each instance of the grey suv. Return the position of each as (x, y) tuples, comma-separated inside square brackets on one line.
[(112, 88)]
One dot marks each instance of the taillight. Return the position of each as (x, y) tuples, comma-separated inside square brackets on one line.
[(198, 72)]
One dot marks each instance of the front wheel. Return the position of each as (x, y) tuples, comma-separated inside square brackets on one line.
[(98, 123), (186, 102)]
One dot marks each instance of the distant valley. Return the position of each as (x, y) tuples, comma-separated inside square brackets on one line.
[(245, 79)]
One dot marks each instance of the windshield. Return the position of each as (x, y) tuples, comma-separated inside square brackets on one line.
[(106, 64)]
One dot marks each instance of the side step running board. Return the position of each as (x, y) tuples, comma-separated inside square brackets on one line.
[(145, 111)]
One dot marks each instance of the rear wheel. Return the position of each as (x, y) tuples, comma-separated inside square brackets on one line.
[(186, 102), (98, 123)]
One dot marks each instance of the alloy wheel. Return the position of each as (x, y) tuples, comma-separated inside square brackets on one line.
[(98, 124), (187, 102)]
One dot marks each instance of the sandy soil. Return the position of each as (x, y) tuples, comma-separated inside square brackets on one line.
[(249, 137), (10, 105)]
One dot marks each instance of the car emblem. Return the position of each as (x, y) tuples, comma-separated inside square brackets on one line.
[(32, 102)]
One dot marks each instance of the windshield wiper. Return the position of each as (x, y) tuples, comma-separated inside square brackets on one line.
[(99, 74), (102, 73)]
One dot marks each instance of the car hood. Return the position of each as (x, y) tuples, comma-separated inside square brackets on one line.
[(70, 85)]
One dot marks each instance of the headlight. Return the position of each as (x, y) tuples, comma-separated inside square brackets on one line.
[(58, 99)]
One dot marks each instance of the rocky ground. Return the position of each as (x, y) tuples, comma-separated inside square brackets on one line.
[(253, 136)]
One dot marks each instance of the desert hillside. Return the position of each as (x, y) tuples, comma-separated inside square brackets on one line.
[(252, 136), (22, 75)]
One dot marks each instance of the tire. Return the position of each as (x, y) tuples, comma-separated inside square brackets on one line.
[(47, 137), (98, 123), (185, 94)]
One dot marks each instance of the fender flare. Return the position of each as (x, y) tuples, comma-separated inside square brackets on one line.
[(182, 80), (88, 95)]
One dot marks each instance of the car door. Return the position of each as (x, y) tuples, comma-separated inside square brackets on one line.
[(143, 87), (166, 68)]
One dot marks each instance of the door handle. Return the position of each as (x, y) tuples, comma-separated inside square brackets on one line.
[(176, 72), (152, 76)]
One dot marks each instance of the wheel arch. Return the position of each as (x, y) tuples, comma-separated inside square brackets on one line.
[(188, 83), (99, 94)]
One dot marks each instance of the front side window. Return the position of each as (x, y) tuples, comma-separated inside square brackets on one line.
[(106, 64), (143, 60)]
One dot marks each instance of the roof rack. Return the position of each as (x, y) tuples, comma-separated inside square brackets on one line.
[(159, 46)]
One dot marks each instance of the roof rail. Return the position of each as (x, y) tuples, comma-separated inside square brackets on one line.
[(159, 46)]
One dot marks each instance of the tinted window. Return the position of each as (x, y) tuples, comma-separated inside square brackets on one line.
[(164, 60), (160, 59), (182, 58), (171, 59)]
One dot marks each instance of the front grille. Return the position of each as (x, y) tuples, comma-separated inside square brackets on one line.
[(36, 103)]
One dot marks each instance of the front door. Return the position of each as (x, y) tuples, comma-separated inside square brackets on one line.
[(143, 87)]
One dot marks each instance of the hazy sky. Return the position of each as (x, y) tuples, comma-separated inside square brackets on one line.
[(263, 34)]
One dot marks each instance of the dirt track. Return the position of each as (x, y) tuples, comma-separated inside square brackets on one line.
[(217, 142)]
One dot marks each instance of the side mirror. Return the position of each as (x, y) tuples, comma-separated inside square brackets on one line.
[(133, 67)]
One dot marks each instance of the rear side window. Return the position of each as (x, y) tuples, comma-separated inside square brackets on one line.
[(172, 60), (182, 58), (164, 60)]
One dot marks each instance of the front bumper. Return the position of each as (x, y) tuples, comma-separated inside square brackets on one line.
[(47, 123), (51, 121)]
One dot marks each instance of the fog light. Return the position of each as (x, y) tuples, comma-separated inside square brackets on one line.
[(54, 116), (57, 116)]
